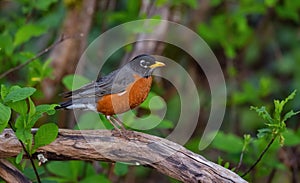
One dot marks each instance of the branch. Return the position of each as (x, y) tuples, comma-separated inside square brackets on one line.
[(163, 155), (260, 156), (10, 173), (41, 53)]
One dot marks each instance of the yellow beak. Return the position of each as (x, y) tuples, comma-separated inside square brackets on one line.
[(157, 64)]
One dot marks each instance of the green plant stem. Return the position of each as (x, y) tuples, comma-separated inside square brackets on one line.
[(260, 156), (240, 162), (29, 156)]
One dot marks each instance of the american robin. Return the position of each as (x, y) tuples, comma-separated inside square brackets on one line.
[(117, 92)]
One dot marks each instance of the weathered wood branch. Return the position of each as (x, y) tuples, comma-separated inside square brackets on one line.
[(9, 173), (138, 148)]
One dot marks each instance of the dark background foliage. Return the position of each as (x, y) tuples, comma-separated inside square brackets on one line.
[(257, 43)]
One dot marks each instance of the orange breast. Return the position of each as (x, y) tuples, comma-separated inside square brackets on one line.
[(135, 94)]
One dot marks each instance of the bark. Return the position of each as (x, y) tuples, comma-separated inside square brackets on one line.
[(137, 148), (9, 173)]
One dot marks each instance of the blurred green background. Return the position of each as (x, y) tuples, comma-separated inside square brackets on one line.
[(257, 43)]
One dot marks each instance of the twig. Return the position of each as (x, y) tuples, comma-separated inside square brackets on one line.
[(240, 162), (271, 176), (41, 53), (31, 161), (260, 156), (28, 155)]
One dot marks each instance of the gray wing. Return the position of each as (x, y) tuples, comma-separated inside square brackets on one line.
[(115, 82)]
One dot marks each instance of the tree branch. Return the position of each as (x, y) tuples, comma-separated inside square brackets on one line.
[(163, 155), (41, 53), (10, 173)]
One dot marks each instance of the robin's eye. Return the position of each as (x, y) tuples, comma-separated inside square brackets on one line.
[(144, 64)]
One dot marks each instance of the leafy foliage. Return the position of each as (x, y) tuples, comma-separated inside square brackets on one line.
[(256, 42), (276, 125), (15, 99), (5, 113), (26, 32)]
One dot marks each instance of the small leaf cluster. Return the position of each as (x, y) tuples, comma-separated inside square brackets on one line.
[(19, 38), (18, 100), (276, 123), (245, 151)]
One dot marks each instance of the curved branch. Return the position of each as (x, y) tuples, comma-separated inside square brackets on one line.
[(41, 53), (138, 148), (9, 173)]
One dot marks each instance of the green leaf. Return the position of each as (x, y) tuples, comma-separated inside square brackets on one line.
[(220, 160), (17, 93), (278, 109), (73, 82), (165, 124), (153, 102), (5, 113), (289, 11), (133, 7), (28, 31), (229, 143), (19, 106), (21, 122), (262, 112), (290, 97), (33, 119), (29, 173), (24, 135), (43, 5), (39, 110), (4, 92), (160, 3), (280, 104), (61, 169), (6, 43), (270, 3), (226, 165), (46, 69), (77, 168), (291, 138), (264, 132), (46, 108), (215, 2), (20, 157), (289, 115), (247, 140), (100, 178), (32, 109), (46, 134), (120, 169), (65, 170), (192, 3)]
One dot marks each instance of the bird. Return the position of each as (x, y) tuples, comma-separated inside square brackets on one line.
[(119, 91)]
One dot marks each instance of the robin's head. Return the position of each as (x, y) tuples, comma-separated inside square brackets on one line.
[(144, 64)]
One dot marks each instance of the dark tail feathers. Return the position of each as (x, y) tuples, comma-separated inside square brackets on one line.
[(64, 105)]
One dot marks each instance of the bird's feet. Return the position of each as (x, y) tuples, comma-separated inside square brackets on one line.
[(119, 129)]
